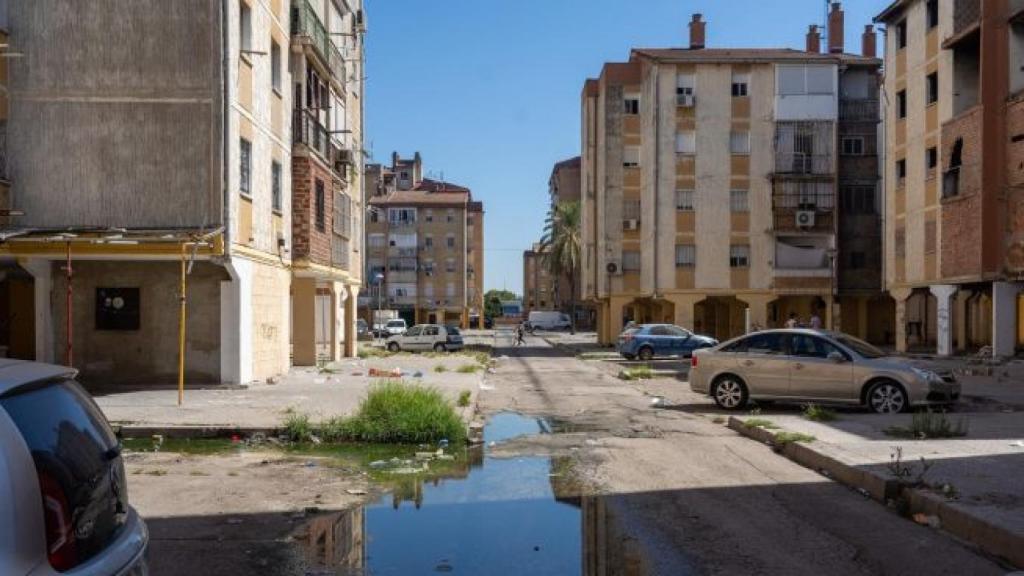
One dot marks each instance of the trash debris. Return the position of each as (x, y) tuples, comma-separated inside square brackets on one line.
[(927, 520), (357, 373), (417, 374), (356, 492), (310, 464), (273, 380), (443, 443), (658, 401), (864, 492), (315, 439), (378, 464), (1017, 444), (235, 438)]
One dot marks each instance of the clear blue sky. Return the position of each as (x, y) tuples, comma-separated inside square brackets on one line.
[(488, 90)]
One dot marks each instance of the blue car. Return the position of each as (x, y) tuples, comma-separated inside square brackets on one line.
[(649, 340)]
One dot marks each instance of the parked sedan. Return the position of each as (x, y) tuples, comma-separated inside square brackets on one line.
[(649, 340), (817, 366), (62, 480), (427, 337)]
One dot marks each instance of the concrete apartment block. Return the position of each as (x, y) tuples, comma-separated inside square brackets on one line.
[(953, 149)]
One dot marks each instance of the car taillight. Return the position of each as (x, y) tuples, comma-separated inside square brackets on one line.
[(693, 361), (60, 533), (627, 337)]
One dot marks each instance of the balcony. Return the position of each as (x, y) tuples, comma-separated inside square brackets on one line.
[(402, 276), (800, 164), (306, 25), (402, 251), (966, 13), (951, 183), (340, 252), (3, 151), (804, 221), (858, 110), (307, 129)]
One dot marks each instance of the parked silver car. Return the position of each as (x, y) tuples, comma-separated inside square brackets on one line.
[(816, 366), (63, 491), (427, 337)]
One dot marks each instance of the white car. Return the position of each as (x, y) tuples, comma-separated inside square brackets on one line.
[(395, 327), (549, 320), (63, 490), (427, 337)]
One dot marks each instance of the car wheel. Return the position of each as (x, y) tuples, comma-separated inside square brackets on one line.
[(629, 356), (439, 347), (729, 393), (888, 397), (393, 347), (645, 353)]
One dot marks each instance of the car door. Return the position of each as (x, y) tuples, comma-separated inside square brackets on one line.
[(762, 362), (431, 335), (815, 375), (661, 340), (680, 341), (411, 340)]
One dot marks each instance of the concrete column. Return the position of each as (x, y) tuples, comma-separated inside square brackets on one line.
[(900, 295), (236, 323), (42, 275), (758, 306), (943, 318), (960, 318), (339, 319), (304, 321), (1004, 318), (351, 331), (615, 324)]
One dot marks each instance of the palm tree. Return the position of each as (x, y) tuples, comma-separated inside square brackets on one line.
[(561, 247)]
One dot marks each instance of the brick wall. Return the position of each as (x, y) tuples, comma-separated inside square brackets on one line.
[(307, 241), (1014, 261), (961, 243)]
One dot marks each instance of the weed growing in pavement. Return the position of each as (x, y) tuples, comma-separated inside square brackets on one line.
[(468, 368), (332, 429), (926, 425), (464, 398), (638, 373), (755, 411), (783, 438), (297, 426), (395, 412), (157, 472), (718, 419), (440, 368), (817, 413), (903, 472), (760, 423)]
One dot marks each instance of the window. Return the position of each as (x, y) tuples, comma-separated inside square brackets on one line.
[(686, 255), (738, 201), (930, 236), (244, 26), (901, 34), (740, 83), (901, 104), (811, 347), (901, 171), (321, 206), (739, 142), (630, 260), (630, 209), (449, 265), (684, 88), (414, 332), (428, 241), (931, 161), (858, 199), (275, 179), (428, 269), (275, 65), (429, 215), (853, 145), (450, 216), (684, 200), (686, 142), (767, 343), (450, 242), (932, 92), (245, 166), (858, 260), (799, 79), (739, 256), (632, 104), (376, 241), (933, 13), (631, 156), (399, 216), (449, 290)]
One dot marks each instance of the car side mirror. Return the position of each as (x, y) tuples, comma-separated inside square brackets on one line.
[(836, 357)]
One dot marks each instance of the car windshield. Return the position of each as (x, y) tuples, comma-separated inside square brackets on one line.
[(859, 346), (453, 331), (396, 323)]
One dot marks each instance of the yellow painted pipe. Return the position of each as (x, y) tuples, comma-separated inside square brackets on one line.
[(181, 329)]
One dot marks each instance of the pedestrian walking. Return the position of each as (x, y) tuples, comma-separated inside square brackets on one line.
[(792, 322), (815, 321)]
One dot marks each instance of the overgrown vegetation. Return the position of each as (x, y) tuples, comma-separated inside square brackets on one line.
[(760, 423), (393, 412), (440, 368), (817, 413), (468, 368), (785, 437), (464, 397), (638, 373), (927, 425)]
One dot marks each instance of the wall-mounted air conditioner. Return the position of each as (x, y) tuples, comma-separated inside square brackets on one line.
[(805, 218)]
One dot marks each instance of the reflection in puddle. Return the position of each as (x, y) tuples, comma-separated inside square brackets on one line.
[(488, 516)]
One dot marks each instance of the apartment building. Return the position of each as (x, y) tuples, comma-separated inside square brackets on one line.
[(540, 287), (710, 180), (162, 156), (954, 173), (424, 244)]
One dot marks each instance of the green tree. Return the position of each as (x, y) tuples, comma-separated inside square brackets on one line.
[(561, 247), (492, 302)]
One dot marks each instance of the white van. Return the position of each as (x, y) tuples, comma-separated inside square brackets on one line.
[(549, 320)]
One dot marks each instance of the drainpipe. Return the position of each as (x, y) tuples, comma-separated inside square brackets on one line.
[(225, 126), (181, 327), (657, 170), (68, 353)]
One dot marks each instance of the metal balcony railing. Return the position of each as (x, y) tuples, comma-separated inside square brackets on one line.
[(858, 110), (340, 252), (306, 23), (965, 14), (803, 164), (819, 221), (3, 151), (307, 129)]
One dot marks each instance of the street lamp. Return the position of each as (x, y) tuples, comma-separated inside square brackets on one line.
[(831, 253), (378, 279)]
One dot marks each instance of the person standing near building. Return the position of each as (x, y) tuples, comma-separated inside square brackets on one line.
[(815, 321), (792, 322)]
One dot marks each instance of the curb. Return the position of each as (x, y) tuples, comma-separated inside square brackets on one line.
[(178, 431), (993, 539)]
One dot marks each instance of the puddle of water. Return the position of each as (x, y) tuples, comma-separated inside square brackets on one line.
[(508, 425)]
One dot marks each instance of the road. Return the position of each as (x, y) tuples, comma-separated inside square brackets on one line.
[(689, 496)]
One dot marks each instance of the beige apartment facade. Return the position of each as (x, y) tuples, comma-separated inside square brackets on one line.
[(424, 243), (953, 174), (709, 187)]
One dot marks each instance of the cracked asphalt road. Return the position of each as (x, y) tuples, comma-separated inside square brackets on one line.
[(692, 497)]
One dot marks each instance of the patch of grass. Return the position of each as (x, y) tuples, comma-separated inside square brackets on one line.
[(157, 472), (297, 426), (760, 423), (372, 352), (817, 413), (482, 358), (332, 429), (197, 473), (718, 419), (394, 412), (638, 373), (232, 473), (783, 438), (440, 368), (468, 369), (927, 425), (464, 397)]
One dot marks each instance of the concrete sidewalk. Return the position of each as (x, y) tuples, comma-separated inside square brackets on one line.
[(321, 394)]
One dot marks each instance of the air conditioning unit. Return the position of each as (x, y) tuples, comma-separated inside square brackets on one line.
[(613, 267), (805, 218), (631, 224), (686, 100)]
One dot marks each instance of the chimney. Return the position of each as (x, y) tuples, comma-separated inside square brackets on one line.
[(813, 39), (394, 160), (868, 41), (696, 32), (835, 29)]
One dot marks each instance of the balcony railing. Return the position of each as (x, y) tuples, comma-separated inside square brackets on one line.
[(307, 129), (858, 110), (797, 163), (808, 219), (965, 14), (307, 24), (340, 252), (3, 151), (402, 252)]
